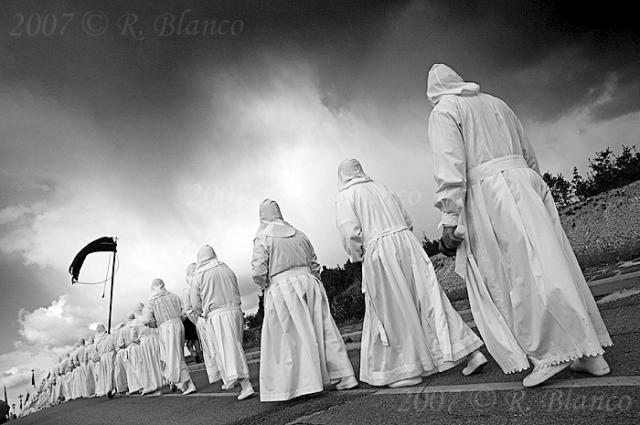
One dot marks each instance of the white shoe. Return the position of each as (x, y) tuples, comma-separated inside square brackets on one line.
[(191, 388), (247, 391), (406, 382), (596, 366), (475, 364), (156, 393), (228, 386), (347, 383), (542, 373)]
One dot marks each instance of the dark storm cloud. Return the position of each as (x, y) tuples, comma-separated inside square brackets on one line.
[(547, 57), (114, 76)]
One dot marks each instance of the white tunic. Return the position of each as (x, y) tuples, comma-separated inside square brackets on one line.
[(301, 348), (88, 365), (151, 375), (105, 349), (216, 297), (134, 357), (120, 366), (527, 293), (410, 328)]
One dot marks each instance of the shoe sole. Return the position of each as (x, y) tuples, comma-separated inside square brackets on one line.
[(547, 378), (347, 387), (247, 396), (476, 369), (410, 383), (601, 372)]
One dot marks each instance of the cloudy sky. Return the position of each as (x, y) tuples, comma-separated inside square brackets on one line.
[(126, 120)]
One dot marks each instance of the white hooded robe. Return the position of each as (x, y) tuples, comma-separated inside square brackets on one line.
[(410, 327), (528, 296)]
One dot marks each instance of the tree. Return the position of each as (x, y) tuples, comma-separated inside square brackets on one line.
[(608, 171), (560, 188)]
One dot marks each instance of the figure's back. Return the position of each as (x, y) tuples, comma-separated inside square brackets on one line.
[(377, 208), (489, 127), (219, 288), (286, 253)]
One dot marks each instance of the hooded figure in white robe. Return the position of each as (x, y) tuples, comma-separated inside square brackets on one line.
[(134, 351), (528, 296), (74, 371), (57, 392), (301, 349), (120, 367), (208, 351), (88, 364), (164, 308), (151, 367), (216, 297), (80, 377), (410, 328), (67, 381), (106, 350)]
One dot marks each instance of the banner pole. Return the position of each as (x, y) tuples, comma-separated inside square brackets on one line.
[(113, 273)]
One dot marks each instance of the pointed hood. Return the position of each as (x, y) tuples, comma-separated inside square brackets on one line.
[(271, 221), (350, 172), (207, 259), (101, 332), (157, 288), (444, 81), (139, 315), (191, 269)]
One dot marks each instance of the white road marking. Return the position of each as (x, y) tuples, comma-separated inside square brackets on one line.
[(607, 381)]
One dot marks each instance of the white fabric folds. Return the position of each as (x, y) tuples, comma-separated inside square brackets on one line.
[(410, 328), (528, 296), (301, 349), (171, 335), (224, 329), (151, 376)]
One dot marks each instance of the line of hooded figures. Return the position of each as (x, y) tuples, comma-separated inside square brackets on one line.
[(528, 296)]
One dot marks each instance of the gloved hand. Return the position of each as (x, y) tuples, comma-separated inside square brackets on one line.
[(449, 242), (201, 321)]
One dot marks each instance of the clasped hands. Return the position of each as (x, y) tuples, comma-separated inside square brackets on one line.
[(449, 242)]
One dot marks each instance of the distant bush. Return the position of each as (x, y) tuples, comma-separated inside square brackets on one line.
[(430, 246), (343, 288), (344, 291)]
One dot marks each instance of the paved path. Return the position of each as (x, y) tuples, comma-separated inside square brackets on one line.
[(486, 398)]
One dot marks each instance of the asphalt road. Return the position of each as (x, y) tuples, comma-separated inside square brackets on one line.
[(570, 398)]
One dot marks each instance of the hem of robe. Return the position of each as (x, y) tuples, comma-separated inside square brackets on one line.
[(235, 358), (566, 356), (210, 362), (337, 375), (292, 394), (460, 350)]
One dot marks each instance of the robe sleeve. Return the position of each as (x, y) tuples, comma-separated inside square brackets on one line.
[(405, 214), (147, 314), (314, 266), (187, 307), (260, 261), (120, 339), (194, 295), (449, 165), (527, 148), (349, 227)]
